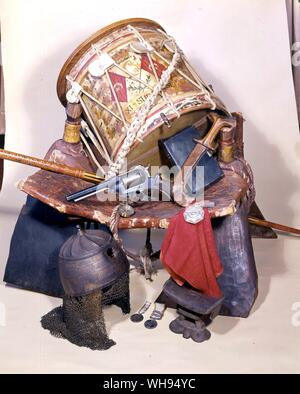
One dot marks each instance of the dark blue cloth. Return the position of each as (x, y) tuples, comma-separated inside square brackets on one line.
[(33, 257)]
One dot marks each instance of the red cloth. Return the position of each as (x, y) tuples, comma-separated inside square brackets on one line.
[(189, 254)]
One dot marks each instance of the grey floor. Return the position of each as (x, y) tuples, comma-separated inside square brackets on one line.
[(268, 341)]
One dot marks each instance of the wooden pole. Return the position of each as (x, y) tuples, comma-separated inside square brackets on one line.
[(276, 226), (50, 166)]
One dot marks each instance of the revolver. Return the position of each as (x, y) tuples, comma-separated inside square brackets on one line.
[(133, 185)]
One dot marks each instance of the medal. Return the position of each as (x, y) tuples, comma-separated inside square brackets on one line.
[(138, 317)]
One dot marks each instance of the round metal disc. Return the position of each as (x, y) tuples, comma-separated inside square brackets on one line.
[(96, 69), (72, 97), (194, 214), (126, 210), (136, 318), (150, 324)]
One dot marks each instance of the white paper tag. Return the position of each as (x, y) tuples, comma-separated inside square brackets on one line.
[(73, 94), (98, 67)]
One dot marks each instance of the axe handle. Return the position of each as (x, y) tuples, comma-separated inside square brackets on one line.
[(276, 226)]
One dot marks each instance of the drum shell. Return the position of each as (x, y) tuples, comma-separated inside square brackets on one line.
[(116, 40)]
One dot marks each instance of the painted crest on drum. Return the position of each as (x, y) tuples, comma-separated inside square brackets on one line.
[(126, 83)]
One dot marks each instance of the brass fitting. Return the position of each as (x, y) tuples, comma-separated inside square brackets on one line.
[(72, 133), (226, 145)]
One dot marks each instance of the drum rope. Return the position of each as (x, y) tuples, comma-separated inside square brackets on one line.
[(138, 126), (205, 89), (103, 147), (112, 88), (113, 223), (167, 99), (136, 130), (91, 153)]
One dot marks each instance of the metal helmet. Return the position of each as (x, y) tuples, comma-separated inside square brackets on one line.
[(90, 260)]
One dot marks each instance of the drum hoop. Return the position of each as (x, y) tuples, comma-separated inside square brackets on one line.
[(83, 47)]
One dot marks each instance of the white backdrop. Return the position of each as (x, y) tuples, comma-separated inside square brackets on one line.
[(242, 48), (239, 46)]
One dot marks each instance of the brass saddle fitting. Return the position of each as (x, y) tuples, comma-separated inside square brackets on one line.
[(226, 145), (72, 123), (72, 133)]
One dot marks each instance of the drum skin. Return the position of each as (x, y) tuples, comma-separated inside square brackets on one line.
[(185, 99)]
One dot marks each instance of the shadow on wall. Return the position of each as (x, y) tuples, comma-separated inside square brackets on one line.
[(270, 169), (42, 119), (44, 109), (272, 175)]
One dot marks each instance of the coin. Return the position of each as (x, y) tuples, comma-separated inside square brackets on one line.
[(136, 318), (150, 324)]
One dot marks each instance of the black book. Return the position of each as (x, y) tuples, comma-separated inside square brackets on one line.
[(177, 149)]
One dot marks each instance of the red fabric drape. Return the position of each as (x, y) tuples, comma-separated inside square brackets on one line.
[(189, 254)]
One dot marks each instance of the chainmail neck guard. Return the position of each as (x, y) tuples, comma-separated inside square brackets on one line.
[(80, 319)]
